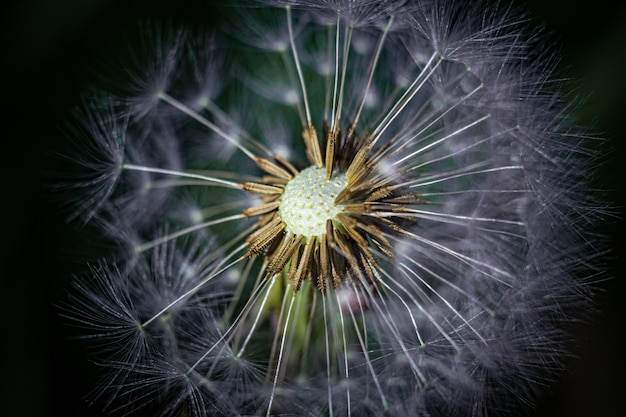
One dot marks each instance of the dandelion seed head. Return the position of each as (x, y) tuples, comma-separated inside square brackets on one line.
[(308, 202), (384, 207)]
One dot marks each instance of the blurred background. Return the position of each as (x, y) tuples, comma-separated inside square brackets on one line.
[(45, 48)]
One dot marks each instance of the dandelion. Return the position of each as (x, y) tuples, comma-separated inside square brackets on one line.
[(340, 208)]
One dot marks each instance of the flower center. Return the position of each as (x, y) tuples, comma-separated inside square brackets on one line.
[(308, 201)]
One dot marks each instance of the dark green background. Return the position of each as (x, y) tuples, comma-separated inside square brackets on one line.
[(44, 48)]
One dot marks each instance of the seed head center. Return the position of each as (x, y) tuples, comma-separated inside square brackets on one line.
[(308, 201)]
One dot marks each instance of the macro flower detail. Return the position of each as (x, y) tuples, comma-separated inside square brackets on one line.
[(320, 220), (337, 208)]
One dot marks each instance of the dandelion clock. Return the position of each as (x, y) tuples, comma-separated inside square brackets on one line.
[(329, 208)]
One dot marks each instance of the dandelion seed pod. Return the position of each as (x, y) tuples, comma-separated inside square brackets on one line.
[(352, 208)]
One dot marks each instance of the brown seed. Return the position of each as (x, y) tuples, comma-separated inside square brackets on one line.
[(261, 209), (312, 144), (256, 188), (304, 264), (273, 169), (260, 239), (331, 143)]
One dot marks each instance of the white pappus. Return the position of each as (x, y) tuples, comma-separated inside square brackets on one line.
[(337, 208)]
